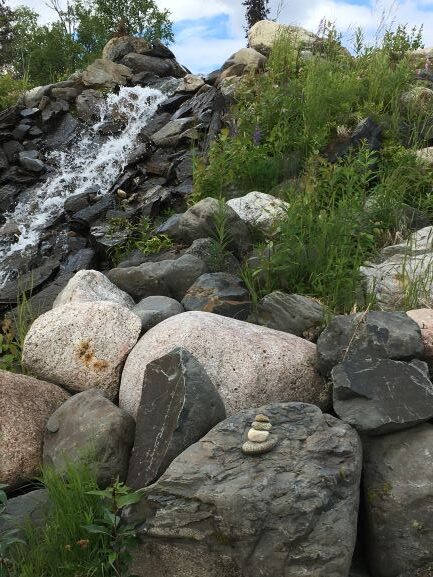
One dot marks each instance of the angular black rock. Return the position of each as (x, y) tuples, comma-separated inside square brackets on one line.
[(179, 405)]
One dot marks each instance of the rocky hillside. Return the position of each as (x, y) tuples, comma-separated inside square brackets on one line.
[(246, 417)]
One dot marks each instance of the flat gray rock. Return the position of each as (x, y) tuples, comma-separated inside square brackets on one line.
[(289, 512), (155, 309), (179, 405), (378, 396)]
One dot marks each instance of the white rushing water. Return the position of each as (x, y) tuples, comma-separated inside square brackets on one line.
[(86, 163)]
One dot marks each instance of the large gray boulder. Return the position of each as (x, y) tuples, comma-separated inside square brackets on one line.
[(87, 426), (248, 364), (378, 396), (25, 406), (82, 346), (382, 335), (155, 309), (178, 406), (199, 222), (162, 67), (398, 496), (105, 74), (91, 286), (21, 510), (286, 513), (264, 33), (291, 313), (170, 278), (260, 210)]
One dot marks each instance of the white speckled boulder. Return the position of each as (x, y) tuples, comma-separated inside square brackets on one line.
[(90, 286), (250, 365), (259, 209), (82, 345), (26, 404)]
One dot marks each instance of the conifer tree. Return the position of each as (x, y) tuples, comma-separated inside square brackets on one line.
[(256, 10)]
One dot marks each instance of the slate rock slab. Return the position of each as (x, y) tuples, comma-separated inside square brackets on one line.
[(31, 508), (286, 513), (89, 424), (179, 405), (398, 497), (220, 293), (82, 346), (378, 396), (290, 313), (248, 364), (386, 335), (25, 406)]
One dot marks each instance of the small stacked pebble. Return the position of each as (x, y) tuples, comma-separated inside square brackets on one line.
[(260, 439)]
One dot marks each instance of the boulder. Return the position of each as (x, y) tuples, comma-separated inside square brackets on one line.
[(178, 406), (291, 313), (171, 133), (199, 221), (383, 335), (424, 319), (162, 67), (155, 309), (91, 286), (106, 74), (90, 426), (190, 83), (378, 396), (82, 345), (249, 365), (248, 58), (398, 497), (425, 155), (170, 278), (264, 33), (25, 406), (216, 261), (33, 97), (220, 293), (89, 104), (260, 210), (119, 46), (30, 508), (286, 513), (402, 271)]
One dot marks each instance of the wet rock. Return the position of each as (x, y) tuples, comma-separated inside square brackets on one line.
[(248, 364), (207, 98), (82, 345), (20, 131), (8, 194), (88, 422), (28, 161), (155, 309), (88, 105), (382, 396), (216, 511), (33, 97), (170, 278), (171, 133), (79, 201), (106, 74), (199, 221), (81, 221), (25, 406), (261, 210), (159, 66), (11, 149), (92, 286), (3, 160), (179, 405), (30, 281), (64, 132), (220, 293), (382, 335), (290, 313), (54, 110), (398, 498)]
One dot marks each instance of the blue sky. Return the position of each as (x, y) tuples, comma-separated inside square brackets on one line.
[(209, 31)]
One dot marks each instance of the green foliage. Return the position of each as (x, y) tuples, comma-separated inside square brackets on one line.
[(83, 534), (139, 236), (283, 124), (11, 89), (8, 538), (221, 237), (121, 536)]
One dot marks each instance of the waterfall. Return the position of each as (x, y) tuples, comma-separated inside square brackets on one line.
[(86, 163)]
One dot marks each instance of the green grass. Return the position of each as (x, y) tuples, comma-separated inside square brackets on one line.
[(340, 214)]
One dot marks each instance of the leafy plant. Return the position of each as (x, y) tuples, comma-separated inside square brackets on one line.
[(120, 536), (221, 236)]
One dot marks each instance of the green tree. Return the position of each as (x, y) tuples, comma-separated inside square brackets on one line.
[(6, 32), (256, 10)]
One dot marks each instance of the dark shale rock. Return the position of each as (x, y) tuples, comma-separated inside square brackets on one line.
[(220, 293), (286, 513), (159, 66), (81, 221), (90, 422), (378, 396), (64, 132), (398, 498), (30, 508), (386, 335), (179, 405)]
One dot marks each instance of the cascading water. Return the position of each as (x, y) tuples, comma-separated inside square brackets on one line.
[(86, 163)]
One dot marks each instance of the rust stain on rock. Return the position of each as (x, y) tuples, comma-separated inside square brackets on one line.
[(86, 355)]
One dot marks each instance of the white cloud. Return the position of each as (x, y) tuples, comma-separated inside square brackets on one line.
[(201, 54)]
